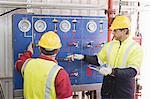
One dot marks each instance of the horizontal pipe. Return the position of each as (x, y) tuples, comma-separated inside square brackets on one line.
[(12, 4), (6, 78)]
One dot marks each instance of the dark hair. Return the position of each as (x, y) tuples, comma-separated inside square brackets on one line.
[(46, 52)]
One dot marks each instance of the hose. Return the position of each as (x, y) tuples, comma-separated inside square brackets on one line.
[(10, 11)]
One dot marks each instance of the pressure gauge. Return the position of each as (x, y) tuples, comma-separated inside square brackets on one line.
[(40, 26), (65, 26), (24, 25), (91, 26)]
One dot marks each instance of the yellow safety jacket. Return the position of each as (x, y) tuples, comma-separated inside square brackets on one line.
[(39, 76), (121, 54)]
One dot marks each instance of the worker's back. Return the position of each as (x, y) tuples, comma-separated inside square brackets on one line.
[(39, 77)]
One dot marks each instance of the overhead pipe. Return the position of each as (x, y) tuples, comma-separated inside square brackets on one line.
[(17, 4)]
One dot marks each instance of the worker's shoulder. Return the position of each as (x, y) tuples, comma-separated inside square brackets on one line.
[(63, 73), (108, 43), (137, 47), (62, 70)]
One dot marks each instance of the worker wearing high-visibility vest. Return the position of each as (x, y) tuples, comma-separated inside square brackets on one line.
[(123, 57), (43, 77)]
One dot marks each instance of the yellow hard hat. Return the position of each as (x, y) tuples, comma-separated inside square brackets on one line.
[(50, 40), (120, 22)]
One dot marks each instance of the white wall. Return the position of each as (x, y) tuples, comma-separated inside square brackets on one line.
[(145, 70), (101, 3), (5, 53)]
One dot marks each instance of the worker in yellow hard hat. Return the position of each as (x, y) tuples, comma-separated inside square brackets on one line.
[(119, 61), (43, 77)]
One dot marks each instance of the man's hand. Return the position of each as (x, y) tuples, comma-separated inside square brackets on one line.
[(105, 70), (30, 47), (75, 56)]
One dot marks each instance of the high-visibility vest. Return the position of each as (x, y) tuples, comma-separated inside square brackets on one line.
[(39, 77), (124, 55)]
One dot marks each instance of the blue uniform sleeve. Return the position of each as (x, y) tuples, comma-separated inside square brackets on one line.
[(91, 60), (124, 73)]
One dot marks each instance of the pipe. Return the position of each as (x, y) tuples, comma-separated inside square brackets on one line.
[(6, 78), (15, 4), (110, 16), (138, 15)]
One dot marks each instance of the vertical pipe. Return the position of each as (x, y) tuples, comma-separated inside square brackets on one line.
[(138, 14), (110, 16)]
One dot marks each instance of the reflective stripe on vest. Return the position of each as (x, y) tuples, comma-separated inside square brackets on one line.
[(124, 59), (109, 50), (48, 82)]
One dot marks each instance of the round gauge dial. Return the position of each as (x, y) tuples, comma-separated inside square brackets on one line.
[(40, 26), (65, 26), (91, 26), (24, 25)]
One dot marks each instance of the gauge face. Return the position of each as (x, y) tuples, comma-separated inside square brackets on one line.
[(24, 25), (91, 26), (40, 26), (65, 26)]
